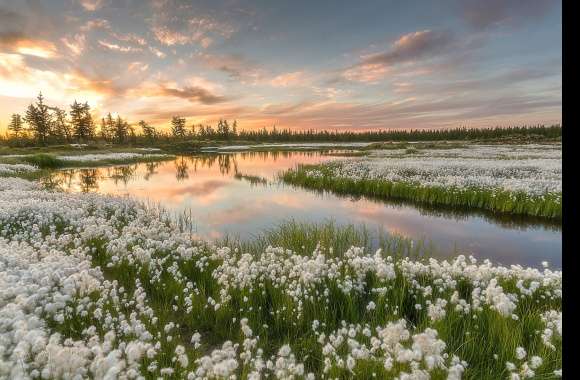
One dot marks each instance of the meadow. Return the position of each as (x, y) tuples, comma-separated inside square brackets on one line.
[(103, 287), (512, 179), (94, 286)]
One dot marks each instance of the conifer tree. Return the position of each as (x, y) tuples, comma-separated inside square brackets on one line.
[(39, 119), (178, 126), (121, 129), (235, 129), (61, 128), (147, 130), (82, 121), (16, 125)]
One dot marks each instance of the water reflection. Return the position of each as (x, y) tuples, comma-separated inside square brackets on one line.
[(238, 194), (122, 174), (150, 169), (89, 180), (521, 222), (181, 169)]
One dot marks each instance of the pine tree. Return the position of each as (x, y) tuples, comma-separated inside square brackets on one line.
[(103, 130), (178, 126), (131, 132), (39, 119), (60, 128), (235, 129), (82, 121), (16, 125), (110, 126), (148, 131), (120, 130), (225, 129)]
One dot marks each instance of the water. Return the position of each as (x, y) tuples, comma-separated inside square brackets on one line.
[(222, 203)]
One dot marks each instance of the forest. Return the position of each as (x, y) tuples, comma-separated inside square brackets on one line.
[(43, 125)]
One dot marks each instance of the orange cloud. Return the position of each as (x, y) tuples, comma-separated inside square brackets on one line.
[(16, 43), (76, 43), (120, 48), (296, 78), (18, 80), (138, 67), (367, 73), (169, 37)]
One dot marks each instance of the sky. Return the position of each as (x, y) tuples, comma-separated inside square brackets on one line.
[(356, 65)]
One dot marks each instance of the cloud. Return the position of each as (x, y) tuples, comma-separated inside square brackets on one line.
[(117, 47), (412, 46), (138, 67), (76, 43), (424, 44), (196, 31), (493, 13), (178, 22), (91, 5), (18, 43), (82, 82), (505, 80), (192, 93), (157, 52), (18, 79), (236, 66), (95, 24), (169, 37), (296, 78), (366, 72)]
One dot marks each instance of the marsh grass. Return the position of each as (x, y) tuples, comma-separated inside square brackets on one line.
[(44, 161), (331, 238), (498, 201), (252, 179), (51, 161), (486, 340)]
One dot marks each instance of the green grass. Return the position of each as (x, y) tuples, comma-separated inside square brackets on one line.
[(548, 206), (477, 341), (44, 161), (51, 161)]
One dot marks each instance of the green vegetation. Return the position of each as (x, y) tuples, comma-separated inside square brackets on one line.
[(44, 161), (274, 315), (335, 239), (547, 206), (51, 161), (252, 179)]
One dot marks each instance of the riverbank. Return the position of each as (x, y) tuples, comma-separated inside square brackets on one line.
[(513, 179)]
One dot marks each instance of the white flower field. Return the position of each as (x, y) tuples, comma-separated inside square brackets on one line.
[(93, 286)]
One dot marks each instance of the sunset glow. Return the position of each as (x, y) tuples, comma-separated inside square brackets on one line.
[(298, 64)]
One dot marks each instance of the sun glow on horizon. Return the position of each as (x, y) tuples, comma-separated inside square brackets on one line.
[(211, 62)]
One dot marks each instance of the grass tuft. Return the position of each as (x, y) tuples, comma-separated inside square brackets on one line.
[(497, 201), (44, 161)]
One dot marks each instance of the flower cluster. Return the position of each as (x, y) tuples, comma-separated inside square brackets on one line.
[(12, 169), (533, 170), (100, 287), (108, 157)]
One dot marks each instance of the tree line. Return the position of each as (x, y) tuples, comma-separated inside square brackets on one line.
[(44, 125)]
